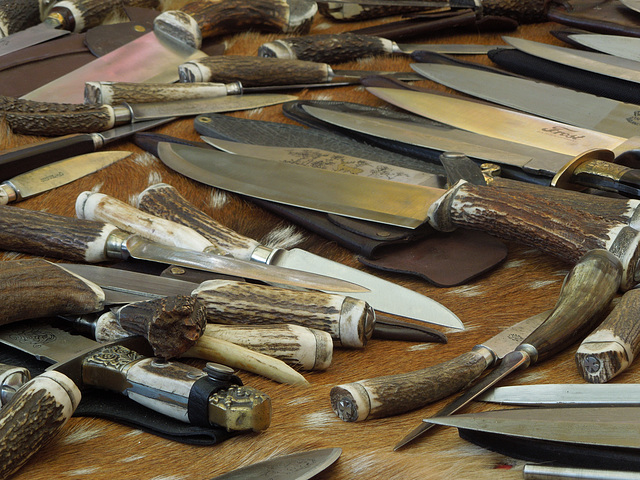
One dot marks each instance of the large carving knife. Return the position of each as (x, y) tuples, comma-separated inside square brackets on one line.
[(166, 202), (584, 299), (176, 39), (86, 241)]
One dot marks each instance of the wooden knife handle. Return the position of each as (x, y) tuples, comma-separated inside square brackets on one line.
[(53, 119), (35, 288), (46, 234), (327, 48), (104, 208), (34, 417), (303, 347), (115, 93), (349, 321), (253, 71), (614, 344), (565, 231), (16, 16), (166, 202), (584, 299), (394, 394)]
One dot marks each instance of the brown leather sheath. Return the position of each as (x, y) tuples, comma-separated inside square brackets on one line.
[(607, 17)]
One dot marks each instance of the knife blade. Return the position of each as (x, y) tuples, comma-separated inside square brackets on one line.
[(294, 466), (565, 394), (596, 62), (41, 118), (176, 38), (631, 4), (565, 105), (143, 379), (533, 131), (165, 201), (585, 295), (473, 4), (66, 17), (86, 241), (410, 206), (619, 46), (388, 395), (346, 47), (21, 159), (265, 71), (56, 174)]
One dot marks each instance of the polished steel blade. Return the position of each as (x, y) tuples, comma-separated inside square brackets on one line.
[(557, 103), (295, 466), (142, 249), (384, 296), (601, 426), (149, 111), (62, 172), (419, 3), (448, 49), (620, 46), (447, 138), (566, 394), (149, 58), (632, 4), (335, 162), (29, 36), (600, 63), (404, 205), (505, 124)]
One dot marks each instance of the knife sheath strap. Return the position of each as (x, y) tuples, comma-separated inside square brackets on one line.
[(607, 17), (117, 408), (570, 77), (556, 453)]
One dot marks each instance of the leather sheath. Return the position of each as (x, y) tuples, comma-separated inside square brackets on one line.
[(378, 246), (570, 77), (600, 16), (119, 409)]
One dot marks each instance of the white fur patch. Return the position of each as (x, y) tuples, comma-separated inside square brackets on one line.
[(82, 471), (145, 159), (218, 199), (80, 434), (154, 178), (283, 237), (467, 291)]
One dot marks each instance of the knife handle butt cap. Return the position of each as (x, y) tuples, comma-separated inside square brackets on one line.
[(388, 395), (34, 417), (614, 344), (178, 27)]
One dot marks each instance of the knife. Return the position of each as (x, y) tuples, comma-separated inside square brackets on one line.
[(388, 395), (294, 466), (585, 295), (346, 47), (18, 15), (166, 202), (565, 394), (86, 241), (617, 45), (518, 127), (176, 38), (41, 118), (264, 71), (596, 62), (21, 159), (55, 174), (546, 100), (556, 228), (68, 16), (225, 400)]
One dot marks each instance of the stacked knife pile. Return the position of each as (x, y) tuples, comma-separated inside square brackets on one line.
[(456, 181)]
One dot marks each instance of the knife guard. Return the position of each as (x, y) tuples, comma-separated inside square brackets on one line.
[(614, 344), (349, 321), (253, 71), (35, 288), (17, 16), (34, 417), (115, 93)]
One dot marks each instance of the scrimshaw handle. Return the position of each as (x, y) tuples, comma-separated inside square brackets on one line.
[(166, 202), (327, 48), (16, 16), (349, 321), (35, 288), (34, 417), (46, 234), (613, 345), (253, 71), (394, 394), (565, 231), (115, 93)]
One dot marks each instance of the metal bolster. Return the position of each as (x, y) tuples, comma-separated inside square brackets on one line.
[(116, 245), (530, 350), (262, 254), (122, 114)]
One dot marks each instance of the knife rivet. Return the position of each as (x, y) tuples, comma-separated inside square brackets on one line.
[(383, 234), (592, 364), (219, 372), (204, 119), (139, 28), (178, 271)]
